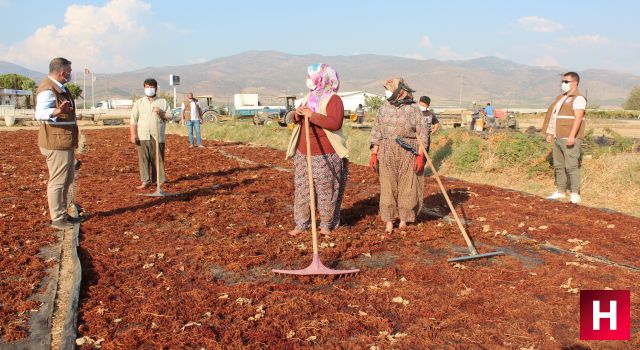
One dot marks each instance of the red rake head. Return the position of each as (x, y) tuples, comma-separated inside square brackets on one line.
[(316, 268)]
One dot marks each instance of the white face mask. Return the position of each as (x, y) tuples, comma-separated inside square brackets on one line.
[(388, 94), (423, 108), (565, 87), (310, 84), (150, 92)]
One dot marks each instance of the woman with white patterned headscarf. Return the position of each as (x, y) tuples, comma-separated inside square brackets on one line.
[(325, 111)]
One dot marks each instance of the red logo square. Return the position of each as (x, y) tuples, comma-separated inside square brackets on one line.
[(605, 315)]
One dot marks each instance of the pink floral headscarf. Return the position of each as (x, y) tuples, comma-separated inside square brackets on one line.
[(326, 81)]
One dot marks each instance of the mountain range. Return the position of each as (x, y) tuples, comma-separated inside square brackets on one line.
[(272, 74)]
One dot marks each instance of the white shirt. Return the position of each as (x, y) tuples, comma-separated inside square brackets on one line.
[(194, 110), (579, 102), (46, 103)]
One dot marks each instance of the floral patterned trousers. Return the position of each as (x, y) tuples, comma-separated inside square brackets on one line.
[(329, 179)]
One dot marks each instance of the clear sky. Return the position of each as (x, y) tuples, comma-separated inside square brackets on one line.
[(122, 35)]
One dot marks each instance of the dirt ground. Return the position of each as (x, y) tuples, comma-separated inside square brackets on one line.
[(194, 270)]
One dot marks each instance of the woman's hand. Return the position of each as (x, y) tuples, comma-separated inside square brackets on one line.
[(306, 111)]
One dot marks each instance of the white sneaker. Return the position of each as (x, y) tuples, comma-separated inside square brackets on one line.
[(557, 195), (574, 198)]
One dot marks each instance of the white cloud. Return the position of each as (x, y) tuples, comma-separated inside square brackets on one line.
[(585, 40), (413, 56), (100, 38), (446, 53), (425, 42), (196, 60), (547, 61), (539, 24), (500, 55)]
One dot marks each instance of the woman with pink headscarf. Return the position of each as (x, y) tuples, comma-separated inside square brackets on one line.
[(325, 111)]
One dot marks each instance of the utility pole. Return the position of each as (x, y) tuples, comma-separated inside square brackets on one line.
[(93, 79), (460, 101), (84, 89)]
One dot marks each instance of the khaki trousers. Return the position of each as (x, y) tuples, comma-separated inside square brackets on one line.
[(60, 164), (566, 163), (147, 161)]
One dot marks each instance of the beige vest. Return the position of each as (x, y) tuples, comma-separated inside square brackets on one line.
[(187, 107), (63, 134), (566, 117), (336, 138)]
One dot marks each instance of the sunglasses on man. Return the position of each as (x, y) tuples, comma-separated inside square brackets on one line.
[(567, 81)]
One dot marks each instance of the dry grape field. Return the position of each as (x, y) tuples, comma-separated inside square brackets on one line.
[(193, 271)]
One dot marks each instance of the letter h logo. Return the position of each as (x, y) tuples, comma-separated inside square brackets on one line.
[(605, 315)]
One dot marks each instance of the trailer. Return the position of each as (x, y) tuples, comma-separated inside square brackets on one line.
[(115, 104)]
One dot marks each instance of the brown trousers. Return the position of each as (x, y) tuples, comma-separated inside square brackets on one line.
[(147, 161), (60, 164), (401, 189)]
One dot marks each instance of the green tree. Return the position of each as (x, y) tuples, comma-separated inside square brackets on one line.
[(373, 103), (74, 89), (167, 96), (633, 101), (18, 82)]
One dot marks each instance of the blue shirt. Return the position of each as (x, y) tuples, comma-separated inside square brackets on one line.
[(489, 111)]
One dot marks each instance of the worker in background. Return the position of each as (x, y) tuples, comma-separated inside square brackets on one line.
[(325, 111), (360, 114), (563, 127), (148, 121), (192, 117), (474, 116), (425, 102), (57, 138), (490, 116), (401, 183)]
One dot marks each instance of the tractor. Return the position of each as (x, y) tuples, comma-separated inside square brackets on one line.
[(284, 117), (209, 112)]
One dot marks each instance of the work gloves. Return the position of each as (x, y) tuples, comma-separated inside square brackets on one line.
[(418, 167), (373, 163)]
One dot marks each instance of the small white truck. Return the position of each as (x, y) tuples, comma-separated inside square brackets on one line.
[(115, 104)]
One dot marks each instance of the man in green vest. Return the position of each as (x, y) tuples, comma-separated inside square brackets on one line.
[(57, 138), (563, 127)]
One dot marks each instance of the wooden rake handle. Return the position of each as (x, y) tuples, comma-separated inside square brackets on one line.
[(470, 245), (312, 199)]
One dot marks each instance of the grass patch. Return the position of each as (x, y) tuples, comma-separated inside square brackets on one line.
[(510, 160)]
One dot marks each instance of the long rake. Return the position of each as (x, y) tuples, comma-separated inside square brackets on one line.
[(473, 252), (316, 267)]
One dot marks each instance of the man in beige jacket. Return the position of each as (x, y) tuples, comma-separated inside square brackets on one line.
[(148, 121)]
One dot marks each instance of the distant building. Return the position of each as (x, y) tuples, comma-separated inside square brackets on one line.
[(17, 98), (352, 99)]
